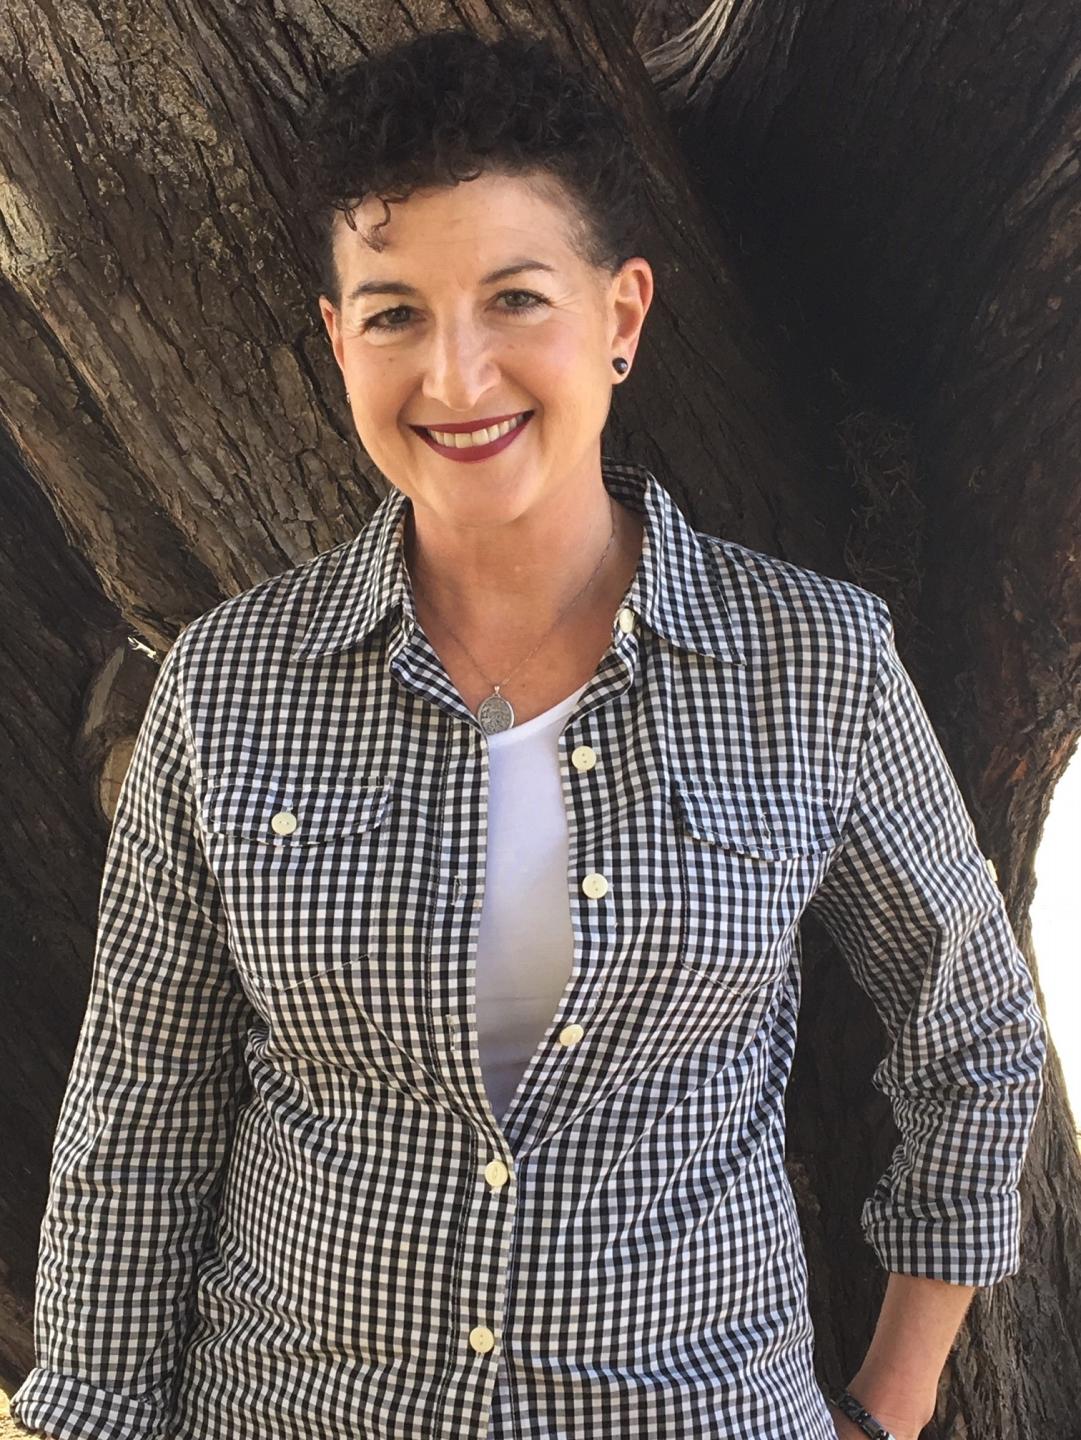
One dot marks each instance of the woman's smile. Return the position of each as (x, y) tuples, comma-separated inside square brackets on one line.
[(466, 446)]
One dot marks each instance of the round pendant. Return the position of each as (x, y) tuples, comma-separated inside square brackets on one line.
[(495, 714)]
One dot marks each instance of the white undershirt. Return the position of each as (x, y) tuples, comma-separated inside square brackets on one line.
[(525, 949)]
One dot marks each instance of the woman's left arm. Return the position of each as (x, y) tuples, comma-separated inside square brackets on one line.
[(910, 902), (898, 1380)]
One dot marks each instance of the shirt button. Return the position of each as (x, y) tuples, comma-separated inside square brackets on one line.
[(481, 1339), (595, 886), (496, 1174), (571, 1034), (284, 823), (991, 870), (584, 757), (626, 620)]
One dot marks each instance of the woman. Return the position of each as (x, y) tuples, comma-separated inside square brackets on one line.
[(432, 1078)]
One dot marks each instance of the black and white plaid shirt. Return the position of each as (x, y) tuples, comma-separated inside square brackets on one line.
[(280, 1203)]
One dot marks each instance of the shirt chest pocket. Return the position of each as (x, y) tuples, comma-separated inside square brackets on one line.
[(750, 859), (302, 869)]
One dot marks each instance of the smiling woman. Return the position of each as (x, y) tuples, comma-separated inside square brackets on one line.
[(441, 222), (432, 1082), (463, 357)]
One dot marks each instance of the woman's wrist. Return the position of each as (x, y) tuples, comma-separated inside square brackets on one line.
[(903, 1409)]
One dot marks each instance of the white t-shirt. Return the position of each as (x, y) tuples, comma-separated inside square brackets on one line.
[(525, 949)]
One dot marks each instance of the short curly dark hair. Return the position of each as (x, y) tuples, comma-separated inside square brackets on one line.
[(449, 106)]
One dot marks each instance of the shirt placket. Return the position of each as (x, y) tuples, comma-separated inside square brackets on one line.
[(488, 1231)]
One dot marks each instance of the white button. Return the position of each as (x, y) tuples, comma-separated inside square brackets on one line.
[(595, 886), (991, 870), (284, 823), (496, 1174), (626, 620), (571, 1034), (584, 757), (477, 904), (481, 1339)]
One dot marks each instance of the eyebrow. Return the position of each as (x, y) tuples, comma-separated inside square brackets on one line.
[(399, 287)]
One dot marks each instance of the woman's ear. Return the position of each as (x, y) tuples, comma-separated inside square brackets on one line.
[(630, 298), (331, 321)]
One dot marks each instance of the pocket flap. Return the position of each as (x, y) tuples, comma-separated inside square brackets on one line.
[(265, 807), (768, 824)]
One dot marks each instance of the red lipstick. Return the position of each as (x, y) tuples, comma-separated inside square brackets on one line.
[(462, 426), (474, 452)]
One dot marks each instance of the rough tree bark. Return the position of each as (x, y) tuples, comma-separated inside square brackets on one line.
[(861, 356), (915, 195)]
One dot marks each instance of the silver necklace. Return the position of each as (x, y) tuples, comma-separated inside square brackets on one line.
[(495, 711)]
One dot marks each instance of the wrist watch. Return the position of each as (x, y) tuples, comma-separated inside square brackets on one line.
[(848, 1405)]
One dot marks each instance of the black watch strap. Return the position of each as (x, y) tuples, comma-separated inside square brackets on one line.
[(848, 1405)]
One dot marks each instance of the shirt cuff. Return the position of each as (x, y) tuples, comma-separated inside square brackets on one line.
[(975, 1244), (67, 1408)]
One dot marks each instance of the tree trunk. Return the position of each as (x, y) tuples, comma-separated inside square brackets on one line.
[(917, 197), (64, 672), (857, 359)]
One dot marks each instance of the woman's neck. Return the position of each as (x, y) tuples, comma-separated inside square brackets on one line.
[(517, 583)]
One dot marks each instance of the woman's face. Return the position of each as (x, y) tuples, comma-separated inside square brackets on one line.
[(465, 345)]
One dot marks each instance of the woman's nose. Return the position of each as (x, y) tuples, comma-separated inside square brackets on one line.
[(459, 368)]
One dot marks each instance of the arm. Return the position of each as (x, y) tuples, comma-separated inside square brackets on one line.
[(909, 901), (146, 1117), (898, 1380)]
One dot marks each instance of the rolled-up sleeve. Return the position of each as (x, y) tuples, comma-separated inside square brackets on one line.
[(910, 901), (147, 1115)]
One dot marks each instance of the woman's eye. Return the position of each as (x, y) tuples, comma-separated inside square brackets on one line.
[(533, 299), (379, 322), (382, 322)]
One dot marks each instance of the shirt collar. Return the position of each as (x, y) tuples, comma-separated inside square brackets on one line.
[(677, 589)]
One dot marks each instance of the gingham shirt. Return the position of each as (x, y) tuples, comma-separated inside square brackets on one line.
[(280, 1203)]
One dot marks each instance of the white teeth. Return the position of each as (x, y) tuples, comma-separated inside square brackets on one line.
[(476, 437)]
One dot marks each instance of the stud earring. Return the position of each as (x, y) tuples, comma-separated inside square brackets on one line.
[(621, 365)]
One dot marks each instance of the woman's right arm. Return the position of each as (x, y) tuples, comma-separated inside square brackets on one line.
[(148, 1114)]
